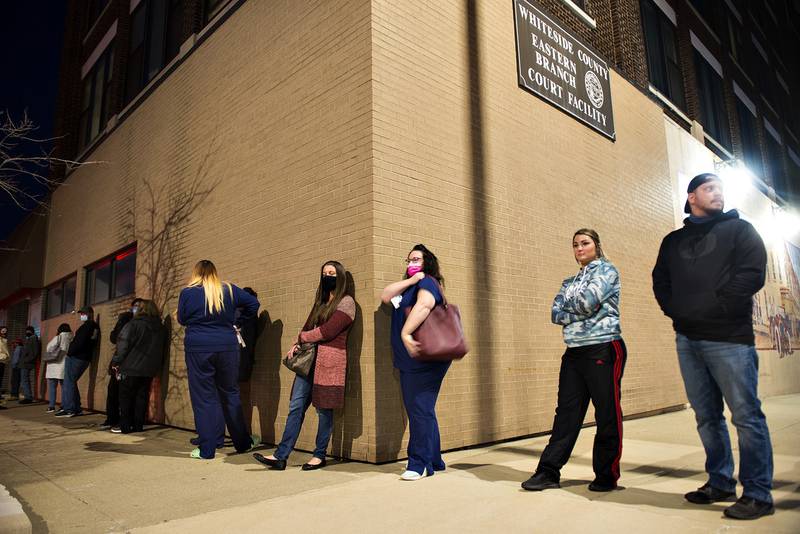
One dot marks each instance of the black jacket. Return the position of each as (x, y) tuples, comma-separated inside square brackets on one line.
[(84, 343), (122, 320), (30, 352), (247, 354), (140, 347), (706, 275)]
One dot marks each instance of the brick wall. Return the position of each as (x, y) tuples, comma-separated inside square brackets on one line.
[(495, 181)]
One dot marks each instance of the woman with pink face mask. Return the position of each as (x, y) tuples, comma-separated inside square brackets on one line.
[(420, 381)]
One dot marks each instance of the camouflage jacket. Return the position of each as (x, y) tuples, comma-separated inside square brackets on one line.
[(588, 305)]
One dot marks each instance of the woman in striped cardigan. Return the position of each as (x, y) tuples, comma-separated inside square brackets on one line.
[(328, 325)]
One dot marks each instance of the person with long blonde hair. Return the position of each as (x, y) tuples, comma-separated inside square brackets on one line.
[(207, 309)]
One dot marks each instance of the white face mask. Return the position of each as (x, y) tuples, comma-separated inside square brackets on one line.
[(135, 310), (84, 318)]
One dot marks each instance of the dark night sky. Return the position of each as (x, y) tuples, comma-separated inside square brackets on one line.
[(31, 32)]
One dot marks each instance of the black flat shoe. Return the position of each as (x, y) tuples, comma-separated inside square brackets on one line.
[(311, 467), (749, 508), (275, 465), (707, 494)]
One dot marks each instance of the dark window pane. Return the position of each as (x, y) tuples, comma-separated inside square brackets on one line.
[(102, 282), (775, 165), (211, 8), (125, 273), (663, 63), (155, 53), (713, 116), (174, 36), (748, 134), (54, 300), (69, 295)]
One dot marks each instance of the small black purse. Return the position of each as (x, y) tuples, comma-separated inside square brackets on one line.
[(302, 362)]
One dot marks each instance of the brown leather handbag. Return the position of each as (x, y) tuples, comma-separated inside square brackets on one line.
[(441, 336)]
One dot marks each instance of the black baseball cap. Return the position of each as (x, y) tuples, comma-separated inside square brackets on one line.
[(696, 182)]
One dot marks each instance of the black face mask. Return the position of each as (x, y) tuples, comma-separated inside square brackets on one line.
[(328, 283)]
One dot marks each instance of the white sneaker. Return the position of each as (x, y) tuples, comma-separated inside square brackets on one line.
[(412, 475)]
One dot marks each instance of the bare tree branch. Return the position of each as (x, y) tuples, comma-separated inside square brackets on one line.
[(18, 172)]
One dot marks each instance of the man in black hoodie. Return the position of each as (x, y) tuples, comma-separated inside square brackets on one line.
[(704, 280), (80, 353)]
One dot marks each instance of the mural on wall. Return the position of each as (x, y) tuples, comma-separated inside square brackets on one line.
[(776, 308)]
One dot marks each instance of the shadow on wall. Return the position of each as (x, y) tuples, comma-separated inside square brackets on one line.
[(265, 396), (390, 417), (481, 251), (349, 422)]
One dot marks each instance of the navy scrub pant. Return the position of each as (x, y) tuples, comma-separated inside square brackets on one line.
[(214, 391), (420, 390)]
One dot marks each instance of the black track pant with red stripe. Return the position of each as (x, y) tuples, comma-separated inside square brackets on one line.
[(593, 373)]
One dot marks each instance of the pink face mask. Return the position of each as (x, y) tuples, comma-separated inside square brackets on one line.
[(413, 269)]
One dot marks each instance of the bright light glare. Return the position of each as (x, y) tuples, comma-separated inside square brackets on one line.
[(738, 183)]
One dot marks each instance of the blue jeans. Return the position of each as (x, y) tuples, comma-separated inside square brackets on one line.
[(25, 382), (714, 372), (52, 385), (70, 396), (299, 403)]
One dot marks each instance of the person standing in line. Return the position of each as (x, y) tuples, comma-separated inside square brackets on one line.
[(138, 358), (704, 280), (587, 306), (249, 331), (112, 392), (420, 381), (5, 356), (16, 355), (327, 325), (54, 373), (80, 354), (206, 308), (31, 351), (5, 352)]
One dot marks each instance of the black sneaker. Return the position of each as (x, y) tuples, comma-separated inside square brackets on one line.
[(540, 481), (749, 508), (63, 413), (597, 485), (707, 494), (105, 425)]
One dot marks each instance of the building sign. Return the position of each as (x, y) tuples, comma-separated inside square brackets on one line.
[(555, 66)]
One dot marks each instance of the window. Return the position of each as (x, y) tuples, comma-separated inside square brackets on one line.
[(96, 99), (156, 37), (713, 116), (60, 297), (663, 64), (94, 10), (775, 166), (748, 134), (709, 11), (212, 7), (111, 277), (735, 39)]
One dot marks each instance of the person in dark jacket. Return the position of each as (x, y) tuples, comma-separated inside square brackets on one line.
[(112, 392), (27, 363), (138, 358), (81, 351), (17, 346), (704, 280), (207, 307), (248, 329)]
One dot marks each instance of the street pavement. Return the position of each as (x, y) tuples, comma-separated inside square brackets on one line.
[(71, 477)]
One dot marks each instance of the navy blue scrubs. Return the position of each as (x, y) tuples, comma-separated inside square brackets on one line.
[(212, 361), (420, 383)]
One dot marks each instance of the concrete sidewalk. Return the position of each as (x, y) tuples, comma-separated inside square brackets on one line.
[(70, 477)]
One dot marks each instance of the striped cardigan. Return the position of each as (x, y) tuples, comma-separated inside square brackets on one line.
[(331, 366)]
